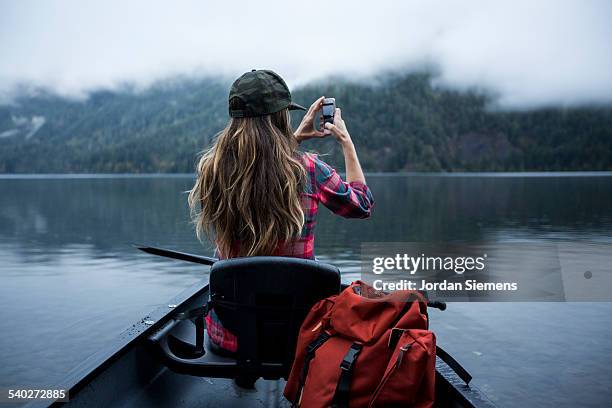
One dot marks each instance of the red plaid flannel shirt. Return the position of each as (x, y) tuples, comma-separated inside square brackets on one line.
[(324, 185)]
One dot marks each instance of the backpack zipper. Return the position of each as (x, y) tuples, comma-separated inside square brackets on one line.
[(400, 355)]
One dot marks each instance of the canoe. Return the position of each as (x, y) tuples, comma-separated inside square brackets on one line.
[(126, 373), (139, 368)]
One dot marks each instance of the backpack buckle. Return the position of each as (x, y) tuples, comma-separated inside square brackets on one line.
[(350, 357), (318, 342)]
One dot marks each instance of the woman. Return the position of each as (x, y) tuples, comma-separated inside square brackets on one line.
[(257, 194)]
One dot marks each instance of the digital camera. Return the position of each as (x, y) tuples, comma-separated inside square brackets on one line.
[(328, 110)]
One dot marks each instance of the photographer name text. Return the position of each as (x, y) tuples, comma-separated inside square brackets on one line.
[(445, 285)]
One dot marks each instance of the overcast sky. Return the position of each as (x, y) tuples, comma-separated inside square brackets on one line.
[(529, 52)]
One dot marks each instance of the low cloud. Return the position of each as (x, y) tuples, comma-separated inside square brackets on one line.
[(528, 53)]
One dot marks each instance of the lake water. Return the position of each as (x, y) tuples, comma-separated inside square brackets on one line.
[(70, 281)]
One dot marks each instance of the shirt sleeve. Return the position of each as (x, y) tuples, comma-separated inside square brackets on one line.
[(350, 200)]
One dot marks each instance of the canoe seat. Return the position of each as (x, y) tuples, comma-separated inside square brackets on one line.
[(263, 301)]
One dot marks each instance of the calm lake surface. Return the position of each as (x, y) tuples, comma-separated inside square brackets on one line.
[(70, 281)]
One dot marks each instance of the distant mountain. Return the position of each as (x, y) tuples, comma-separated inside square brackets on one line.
[(399, 123)]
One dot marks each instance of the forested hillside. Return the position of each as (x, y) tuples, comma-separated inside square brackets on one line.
[(399, 123)]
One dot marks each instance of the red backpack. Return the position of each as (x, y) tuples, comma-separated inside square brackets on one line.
[(365, 348)]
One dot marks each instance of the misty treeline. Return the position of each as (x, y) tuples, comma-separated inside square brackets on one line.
[(398, 123)]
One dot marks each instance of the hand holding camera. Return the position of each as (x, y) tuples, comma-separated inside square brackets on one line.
[(307, 128), (329, 122), (338, 129)]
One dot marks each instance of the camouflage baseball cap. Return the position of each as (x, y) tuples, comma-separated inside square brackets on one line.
[(259, 92)]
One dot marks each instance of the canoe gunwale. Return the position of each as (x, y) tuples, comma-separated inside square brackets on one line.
[(130, 338)]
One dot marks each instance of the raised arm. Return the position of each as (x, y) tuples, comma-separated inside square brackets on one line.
[(350, 199), (351, 161)]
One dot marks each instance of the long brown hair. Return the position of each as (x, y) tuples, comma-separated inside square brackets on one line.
[(247, 192)]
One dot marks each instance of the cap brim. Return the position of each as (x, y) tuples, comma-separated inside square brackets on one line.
[(295, 106)]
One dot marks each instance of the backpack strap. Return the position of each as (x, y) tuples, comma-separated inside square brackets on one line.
[(412, 297), (310, 353), (342, 393)]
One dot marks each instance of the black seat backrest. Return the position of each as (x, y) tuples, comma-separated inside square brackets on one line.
[(264, 300)]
